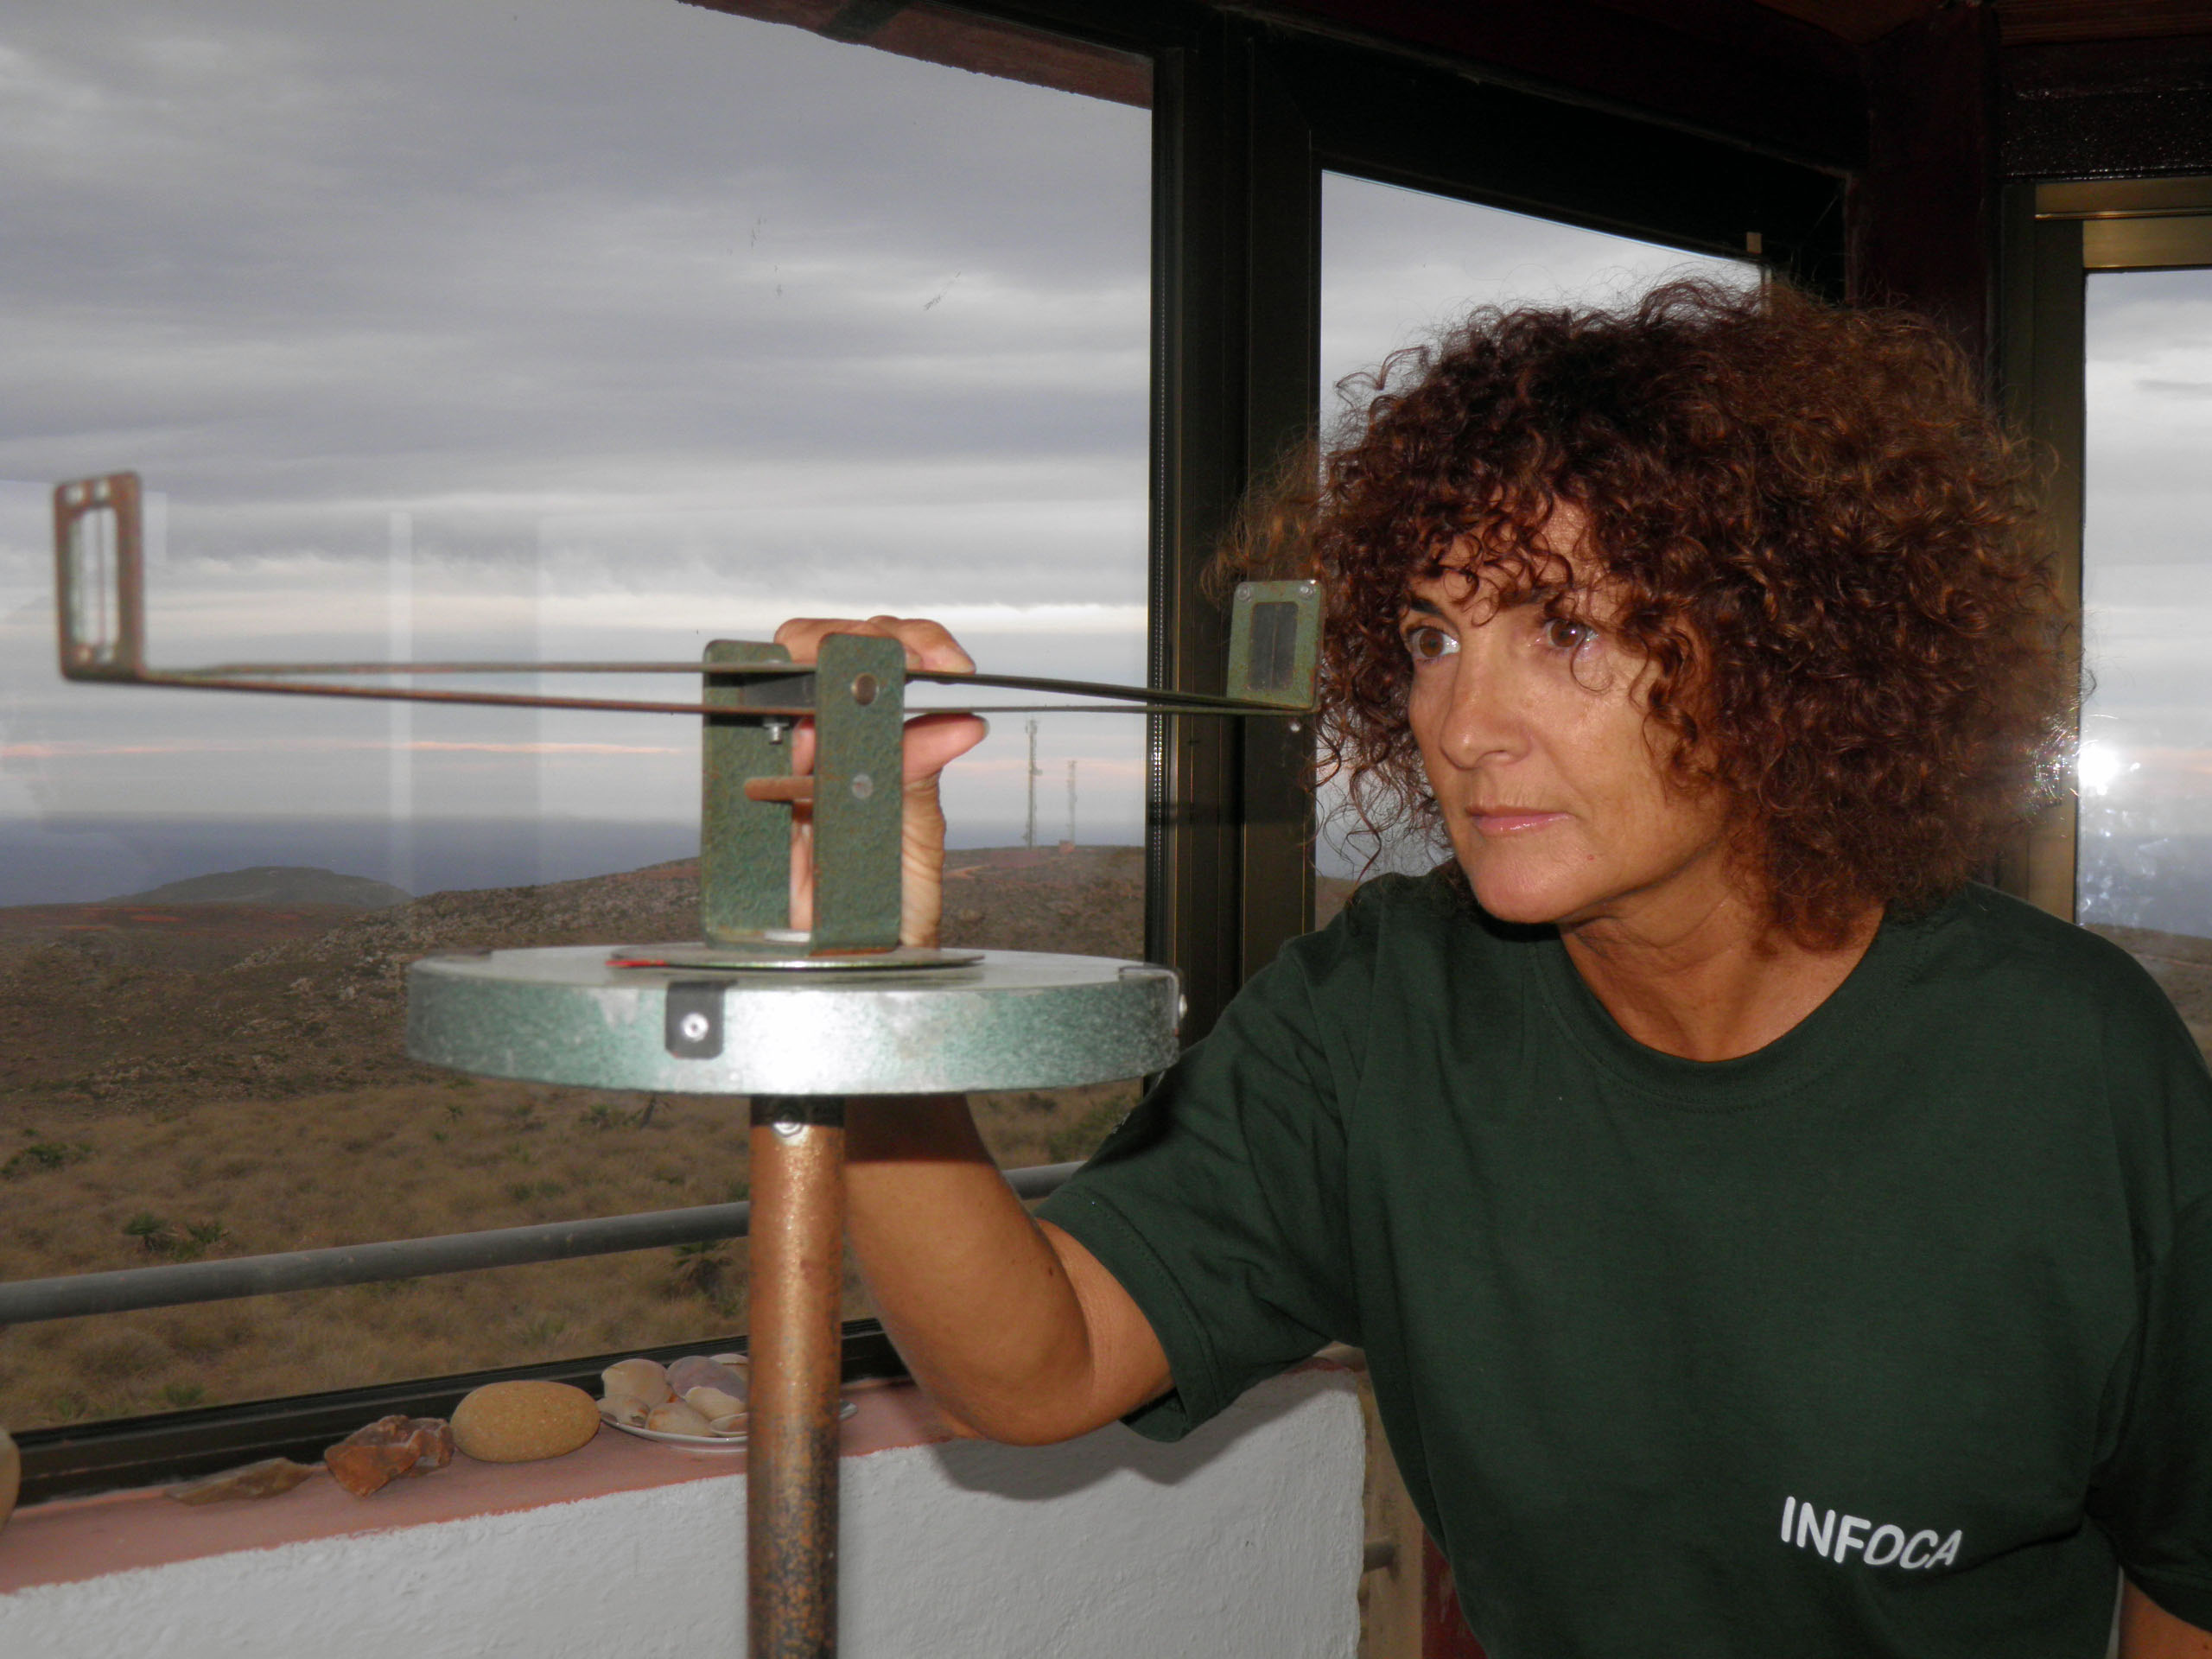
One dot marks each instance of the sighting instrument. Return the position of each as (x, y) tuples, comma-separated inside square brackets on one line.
[(794, 1019)]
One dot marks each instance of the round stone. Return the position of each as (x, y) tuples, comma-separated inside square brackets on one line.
[(517, 1423)]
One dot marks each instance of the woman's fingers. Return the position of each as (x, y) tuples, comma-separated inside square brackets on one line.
[(935, 741), (928, 644)]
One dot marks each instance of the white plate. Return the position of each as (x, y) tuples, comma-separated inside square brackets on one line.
[(702, 1442)]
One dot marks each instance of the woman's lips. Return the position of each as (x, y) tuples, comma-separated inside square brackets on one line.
[(1510, 822)]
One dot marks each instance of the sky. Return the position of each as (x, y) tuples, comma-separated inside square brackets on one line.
[(553, 328), (588, 328), (600, 328)]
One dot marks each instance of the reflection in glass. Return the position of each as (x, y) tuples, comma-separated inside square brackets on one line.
[(2144, 868)]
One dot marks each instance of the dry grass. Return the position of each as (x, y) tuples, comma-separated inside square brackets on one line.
[(215, 1080), (248, 1178)]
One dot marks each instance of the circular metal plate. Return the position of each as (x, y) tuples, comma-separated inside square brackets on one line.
[(1013, 1019)]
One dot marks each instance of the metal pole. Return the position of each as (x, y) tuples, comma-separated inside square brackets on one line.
[(797, 1289), (181, 1283)]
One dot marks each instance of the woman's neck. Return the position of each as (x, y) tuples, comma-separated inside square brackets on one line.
[(1714, 982)]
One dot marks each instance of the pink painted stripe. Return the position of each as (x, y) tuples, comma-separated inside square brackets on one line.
[(78, 1538)]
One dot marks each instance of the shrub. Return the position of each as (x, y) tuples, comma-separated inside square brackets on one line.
[(44, 1154)]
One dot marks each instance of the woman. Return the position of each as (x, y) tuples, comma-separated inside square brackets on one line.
[(1764, 1241)]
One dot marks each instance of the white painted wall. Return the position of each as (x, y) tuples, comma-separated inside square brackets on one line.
[(1243, 1540)]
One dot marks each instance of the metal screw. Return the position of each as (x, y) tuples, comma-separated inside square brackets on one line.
[(775, 728), (864, 785), (693, 1027), (864, 689), (787, 1130)]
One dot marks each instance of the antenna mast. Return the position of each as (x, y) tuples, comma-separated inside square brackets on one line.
[(1029, 835)]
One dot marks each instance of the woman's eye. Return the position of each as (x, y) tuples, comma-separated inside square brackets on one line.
[(1564, 634), (1427, 644)]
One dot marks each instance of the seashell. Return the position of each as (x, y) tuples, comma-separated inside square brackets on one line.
[(640, 1379), (676, 1418), (732, 1425), (712, 1402), (695, 1371), (736, 1362), (625, 1409)]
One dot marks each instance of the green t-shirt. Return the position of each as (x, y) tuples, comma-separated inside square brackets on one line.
[(1894, 1338)]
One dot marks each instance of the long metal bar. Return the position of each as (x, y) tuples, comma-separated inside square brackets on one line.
[(1133, 694), (1146, 702), (779, 670), (795, 1291), (178, 1284)]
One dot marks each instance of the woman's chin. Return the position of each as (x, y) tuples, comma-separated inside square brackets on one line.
[(1524, 904)]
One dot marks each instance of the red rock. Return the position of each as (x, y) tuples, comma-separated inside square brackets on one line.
[(374, 1456), (264, 1479)]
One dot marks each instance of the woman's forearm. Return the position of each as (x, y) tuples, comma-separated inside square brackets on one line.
[(2149, 1631), (1014, 1328)]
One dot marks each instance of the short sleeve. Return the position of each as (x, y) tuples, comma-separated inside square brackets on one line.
[(2153, 1491), (1219, 1204), (2154, 1495)]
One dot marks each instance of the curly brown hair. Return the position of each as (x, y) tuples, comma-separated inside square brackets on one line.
[(1804, 517)]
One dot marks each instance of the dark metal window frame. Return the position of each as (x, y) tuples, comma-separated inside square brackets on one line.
[(1247, 113)]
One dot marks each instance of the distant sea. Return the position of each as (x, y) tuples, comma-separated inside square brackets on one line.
[(71, 861), (2157, 882)]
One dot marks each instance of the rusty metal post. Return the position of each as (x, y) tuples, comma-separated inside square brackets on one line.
[(797, 1289)]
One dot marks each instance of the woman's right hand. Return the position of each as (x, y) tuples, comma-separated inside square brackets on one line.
[(933, 742)]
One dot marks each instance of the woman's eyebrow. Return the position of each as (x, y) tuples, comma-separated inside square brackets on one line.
[(1416, 605), (1541, 593)]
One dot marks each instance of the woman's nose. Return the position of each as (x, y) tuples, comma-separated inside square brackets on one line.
[(1478, 722)]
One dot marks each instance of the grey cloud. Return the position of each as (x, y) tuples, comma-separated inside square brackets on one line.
[(328, 252)]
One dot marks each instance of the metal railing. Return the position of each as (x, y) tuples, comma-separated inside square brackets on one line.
[(26, 1301)]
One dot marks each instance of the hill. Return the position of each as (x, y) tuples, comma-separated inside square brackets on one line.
[(273, 884), (113, 1007)]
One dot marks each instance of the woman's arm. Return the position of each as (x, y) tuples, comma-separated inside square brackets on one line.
[(1014, 1328), (2149, 1631)]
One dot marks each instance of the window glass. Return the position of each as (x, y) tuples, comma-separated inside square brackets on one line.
[(2143, 870), (1400, 268), (546, 330)]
